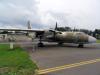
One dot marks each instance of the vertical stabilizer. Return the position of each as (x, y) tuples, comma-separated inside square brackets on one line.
[(29, 25)]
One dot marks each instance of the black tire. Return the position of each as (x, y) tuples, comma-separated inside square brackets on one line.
[(40, 45), (60, 43), (80, 46)]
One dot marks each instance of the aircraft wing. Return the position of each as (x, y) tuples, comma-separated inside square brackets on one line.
[(27, 30), (21, 31)]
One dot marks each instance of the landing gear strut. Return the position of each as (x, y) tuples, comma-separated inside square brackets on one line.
[(40, 44), (80, 45)]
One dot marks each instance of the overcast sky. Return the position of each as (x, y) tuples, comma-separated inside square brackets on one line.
[(44, 13)]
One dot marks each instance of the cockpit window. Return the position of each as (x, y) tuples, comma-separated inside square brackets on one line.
[(60, 32), (80, 33)]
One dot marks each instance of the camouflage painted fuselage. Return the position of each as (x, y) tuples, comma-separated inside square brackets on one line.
[(67, 37), (72, 37)]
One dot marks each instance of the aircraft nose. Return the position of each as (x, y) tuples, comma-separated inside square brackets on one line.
[(92, 39)]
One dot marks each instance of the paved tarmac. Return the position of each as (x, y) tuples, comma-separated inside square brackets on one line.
[(52, 56)]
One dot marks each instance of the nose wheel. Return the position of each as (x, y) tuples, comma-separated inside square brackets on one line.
[(60, 43), (80, 46)]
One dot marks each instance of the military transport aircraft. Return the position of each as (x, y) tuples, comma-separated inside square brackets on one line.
[(53, 35)]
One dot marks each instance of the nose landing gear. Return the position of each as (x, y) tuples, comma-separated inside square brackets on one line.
[(80, 46)]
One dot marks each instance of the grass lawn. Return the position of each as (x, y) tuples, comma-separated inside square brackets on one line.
[(15, 62), (98, 41)]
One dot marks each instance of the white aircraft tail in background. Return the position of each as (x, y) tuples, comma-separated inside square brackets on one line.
[(29, 25)]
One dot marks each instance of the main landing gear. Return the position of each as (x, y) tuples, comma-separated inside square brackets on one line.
[(40, 44)]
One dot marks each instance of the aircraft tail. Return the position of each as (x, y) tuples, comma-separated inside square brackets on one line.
[(29, 25)]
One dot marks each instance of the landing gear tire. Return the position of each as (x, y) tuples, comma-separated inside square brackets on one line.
[(60, 43), (80, 46), (40, 45)]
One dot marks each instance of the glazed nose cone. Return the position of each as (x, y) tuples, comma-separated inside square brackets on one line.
[(92, 39)]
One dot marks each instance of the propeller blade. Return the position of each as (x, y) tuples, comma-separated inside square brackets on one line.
[(56, 26)]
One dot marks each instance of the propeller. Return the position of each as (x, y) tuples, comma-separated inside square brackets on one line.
[(54, 31), (56, 26)]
